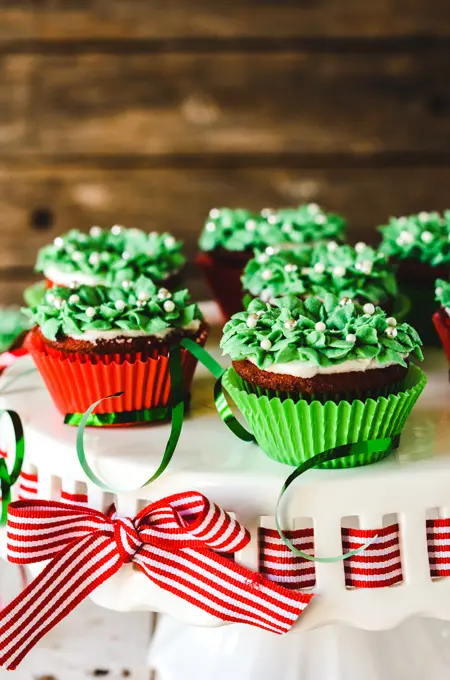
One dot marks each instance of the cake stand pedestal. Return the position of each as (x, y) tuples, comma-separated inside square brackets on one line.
[(331, 639)]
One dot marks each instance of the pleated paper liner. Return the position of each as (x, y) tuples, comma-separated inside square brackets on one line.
[(291, 431), (441, 322), (75, 380)]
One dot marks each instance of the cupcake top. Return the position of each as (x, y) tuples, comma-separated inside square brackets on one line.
[(240, 230), (443, 293), (110, 256), (359, 272), (102, 313), (306, 337), (424, 237)]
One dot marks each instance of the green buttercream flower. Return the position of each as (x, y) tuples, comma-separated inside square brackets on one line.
[(12, 323), (424, 237), (239, 230), (443, 293), (319, 332), (110, 256), (359, 272), (141, 306)]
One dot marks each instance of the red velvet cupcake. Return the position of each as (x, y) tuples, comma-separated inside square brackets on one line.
[(90, 343), (230, 236)]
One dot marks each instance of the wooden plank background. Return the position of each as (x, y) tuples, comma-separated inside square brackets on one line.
[(149, 113)]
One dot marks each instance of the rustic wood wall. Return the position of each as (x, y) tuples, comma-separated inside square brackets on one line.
[(149, 112)]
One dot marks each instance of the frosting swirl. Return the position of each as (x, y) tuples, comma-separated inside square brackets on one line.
[(359, 272), (424, 237), (110, 256), (239, 230), (317, 332), (140, 308)]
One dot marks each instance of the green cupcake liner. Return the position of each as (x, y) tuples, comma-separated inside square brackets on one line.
[(292, 432)]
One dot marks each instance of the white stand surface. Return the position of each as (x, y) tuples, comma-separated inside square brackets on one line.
[(407, 487)]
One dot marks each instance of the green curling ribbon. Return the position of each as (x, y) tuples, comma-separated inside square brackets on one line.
[(177, 410), (8, 479), (222, 406), (368, 447), (146, 415)]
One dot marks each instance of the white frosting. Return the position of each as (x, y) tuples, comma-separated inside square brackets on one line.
[(121, 335), (304, 369), (66, 279)]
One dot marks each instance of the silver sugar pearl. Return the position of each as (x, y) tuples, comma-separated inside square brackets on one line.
[(214, 213), (164, 294), (290, 324), (126, 285), (252, 320), (120, 305), (74, 299), (95, 232), (267, 274), (94, 258), (391, 332), (90, 312), (290, 268), (116, 230), (58, 242), (169, 306), (210, 226)]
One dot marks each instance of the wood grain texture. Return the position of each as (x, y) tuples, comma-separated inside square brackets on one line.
[(16, 76), (73, 19), (178, 200), (168, 104)]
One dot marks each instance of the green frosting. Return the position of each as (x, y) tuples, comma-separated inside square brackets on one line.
[(113, 255), (424, 237), (12, 323), (322, 333), (443, 293), (141, 306), (359, 272), (239, 230)]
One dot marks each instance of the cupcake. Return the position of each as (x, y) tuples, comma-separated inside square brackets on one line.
[(441, 317), (360, 273), (230, 236), (108, 257), (309, 375), (89, 343), (420, 245)]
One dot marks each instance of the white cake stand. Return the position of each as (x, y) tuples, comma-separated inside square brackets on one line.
[(408, 487)]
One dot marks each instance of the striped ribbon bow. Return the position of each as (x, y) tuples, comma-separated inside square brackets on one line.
[(174, 541)]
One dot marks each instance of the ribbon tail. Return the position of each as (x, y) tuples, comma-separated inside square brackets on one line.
[(223, 588), (67, 580)]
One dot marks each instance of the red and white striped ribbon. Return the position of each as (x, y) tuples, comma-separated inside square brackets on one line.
[(28, 483), (280, 564), (379, 565), (173, 541), (438, 538)]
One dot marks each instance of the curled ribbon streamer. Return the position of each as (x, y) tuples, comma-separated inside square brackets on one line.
[(358, 448), (175, 542), (221, 403), (369, 446), (8, 479), (177, 396)]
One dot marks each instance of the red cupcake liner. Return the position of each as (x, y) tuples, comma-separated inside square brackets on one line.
[(441, 321), (76, 380), (223, 276)]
